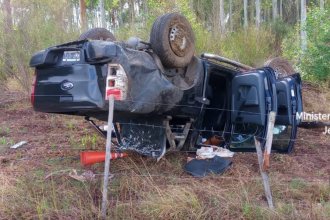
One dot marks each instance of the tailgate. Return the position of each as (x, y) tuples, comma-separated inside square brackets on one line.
[(71, 88)]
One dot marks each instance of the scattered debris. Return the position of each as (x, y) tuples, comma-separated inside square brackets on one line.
[(214, 140), (212, 151), (205, 153), (200, 168), (85, 176), (57, 173), (20, 144)]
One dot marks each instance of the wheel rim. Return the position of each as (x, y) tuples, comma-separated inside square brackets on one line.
[(178, 40)]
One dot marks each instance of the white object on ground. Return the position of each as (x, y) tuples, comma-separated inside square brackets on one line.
[(212, 151), (104, 203), (205, 153), (20, 144), (85, 176), (223, 152), (105, 127)]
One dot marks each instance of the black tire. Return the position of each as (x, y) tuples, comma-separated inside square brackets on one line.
[(281, 66), (172, 39), (97, 34)]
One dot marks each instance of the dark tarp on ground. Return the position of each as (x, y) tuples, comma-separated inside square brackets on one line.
[(200, 168)]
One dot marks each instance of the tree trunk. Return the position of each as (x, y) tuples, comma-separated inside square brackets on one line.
[(298, 10), (231, 14), (102, 14), (8, 16), (112, 13), (83, 18), (216, 16), (274, 5), (120, 13), (132, 12), (258, 13), (303, 33), (145, 12), (281, 9), (8, 28), (77, 16), (73, 16), (322, 4), (266, 14), (245, 14), (222, 17)]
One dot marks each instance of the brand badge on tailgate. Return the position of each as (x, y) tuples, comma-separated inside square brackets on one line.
[(66, 85)]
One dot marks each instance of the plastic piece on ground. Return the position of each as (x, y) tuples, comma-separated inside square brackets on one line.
[(205, 153), (91, 157), (223, 152), (200, 168), (85, 176), (20, 144), (210, 152)]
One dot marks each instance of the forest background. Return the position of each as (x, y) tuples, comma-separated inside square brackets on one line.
[(249, 31)]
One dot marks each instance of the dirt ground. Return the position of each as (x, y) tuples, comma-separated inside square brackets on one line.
[(142, 188)]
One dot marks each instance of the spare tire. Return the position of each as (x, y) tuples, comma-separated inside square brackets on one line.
[(97, 34), (172, 39), (281, 66)]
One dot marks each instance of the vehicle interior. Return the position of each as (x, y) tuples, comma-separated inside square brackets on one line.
[(217, 92)]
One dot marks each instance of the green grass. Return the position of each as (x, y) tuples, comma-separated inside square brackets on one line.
[(89, 140), (297, 184), (5, 142)]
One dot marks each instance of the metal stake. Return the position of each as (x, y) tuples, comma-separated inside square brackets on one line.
[(107, 159)]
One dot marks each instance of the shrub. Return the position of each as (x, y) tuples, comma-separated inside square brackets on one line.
[(41, 24), (314, 63), (250, 46)]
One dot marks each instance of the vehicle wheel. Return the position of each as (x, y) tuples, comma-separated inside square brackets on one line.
[(97, 34), (281, 67), (172, 39)]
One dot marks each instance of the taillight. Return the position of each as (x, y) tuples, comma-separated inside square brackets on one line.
[(117, 82), (33, 88)]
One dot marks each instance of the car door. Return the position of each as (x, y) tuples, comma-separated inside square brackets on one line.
[(253, 96), (289, 105)]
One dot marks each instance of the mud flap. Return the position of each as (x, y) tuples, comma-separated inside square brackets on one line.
[(146, 139)]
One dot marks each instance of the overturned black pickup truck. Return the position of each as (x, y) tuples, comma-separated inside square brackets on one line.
[(166, 97)]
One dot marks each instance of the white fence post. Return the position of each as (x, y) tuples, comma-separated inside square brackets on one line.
[(107, 159)]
